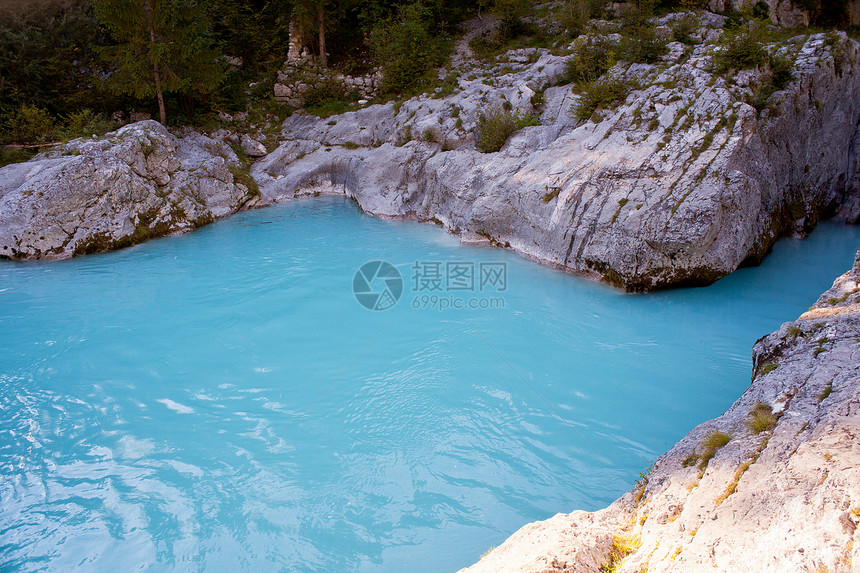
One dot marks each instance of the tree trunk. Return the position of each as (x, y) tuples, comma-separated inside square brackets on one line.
[(321, 18), (147, 6)]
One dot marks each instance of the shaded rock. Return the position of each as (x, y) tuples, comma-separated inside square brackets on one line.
[(252, 147), (136, 183)]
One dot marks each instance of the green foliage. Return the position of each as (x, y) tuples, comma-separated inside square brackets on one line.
[(329, 97), (683, 29), (161, 46), (768, 368), (406, 50), (497, 125), (48, 60), (777, 76), (761, 418), (742, 48), (573, 15), (645, 47), (825, 392), (31, 124), (601, 94), (510, 13), (8, 156), (86, 123), (690, 460), (592, 57)]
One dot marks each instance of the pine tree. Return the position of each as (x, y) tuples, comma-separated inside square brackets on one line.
[(162, 47)]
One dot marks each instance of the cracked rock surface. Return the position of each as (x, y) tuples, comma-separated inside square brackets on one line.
[(136, 183)]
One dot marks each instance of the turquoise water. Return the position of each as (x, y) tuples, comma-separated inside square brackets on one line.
[(220, 401)]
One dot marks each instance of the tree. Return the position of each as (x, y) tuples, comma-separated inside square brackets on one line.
[(162, 47), (406, 49), (310, 16)]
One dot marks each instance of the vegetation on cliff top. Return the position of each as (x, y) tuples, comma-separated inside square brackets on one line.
[(66, 66)]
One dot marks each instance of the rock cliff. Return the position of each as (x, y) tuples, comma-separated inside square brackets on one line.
[(680, 184), (139, 182), (771, 485)]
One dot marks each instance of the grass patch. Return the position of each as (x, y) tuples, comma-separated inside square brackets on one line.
[(243, 177), (825, 392), (711, 444), (733, 485), (622, 546), (761, 418), (768, 368)]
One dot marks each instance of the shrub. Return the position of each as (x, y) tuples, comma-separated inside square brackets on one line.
[(510, 13), (573, 15), (497, 125), (592, 57), (31, 124), (645, 47), (683, 29), (430, 135), (761, 418), (329, 97), (741, 49), (406, 50), (781, 70), (601, 94), (85, 123)]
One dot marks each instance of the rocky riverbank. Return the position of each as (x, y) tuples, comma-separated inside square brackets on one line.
[(137, 183), (771, 485), (679, 184)]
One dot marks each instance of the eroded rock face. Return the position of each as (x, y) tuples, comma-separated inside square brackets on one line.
[(781, 498), (137, 183), (679, 185)]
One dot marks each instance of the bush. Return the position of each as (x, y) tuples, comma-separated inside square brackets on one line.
[(406, 50), (646, 47), (742, 49), (497, 125), (31, 124), (85, 123), (510, 13), (601, 94), (592, 57), (573, 15), (683, 30), (329, 97)]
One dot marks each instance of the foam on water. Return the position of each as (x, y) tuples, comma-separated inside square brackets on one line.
[(220, 401)]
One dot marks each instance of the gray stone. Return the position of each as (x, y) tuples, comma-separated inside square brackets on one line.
[(136, 183), (251, 147)]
